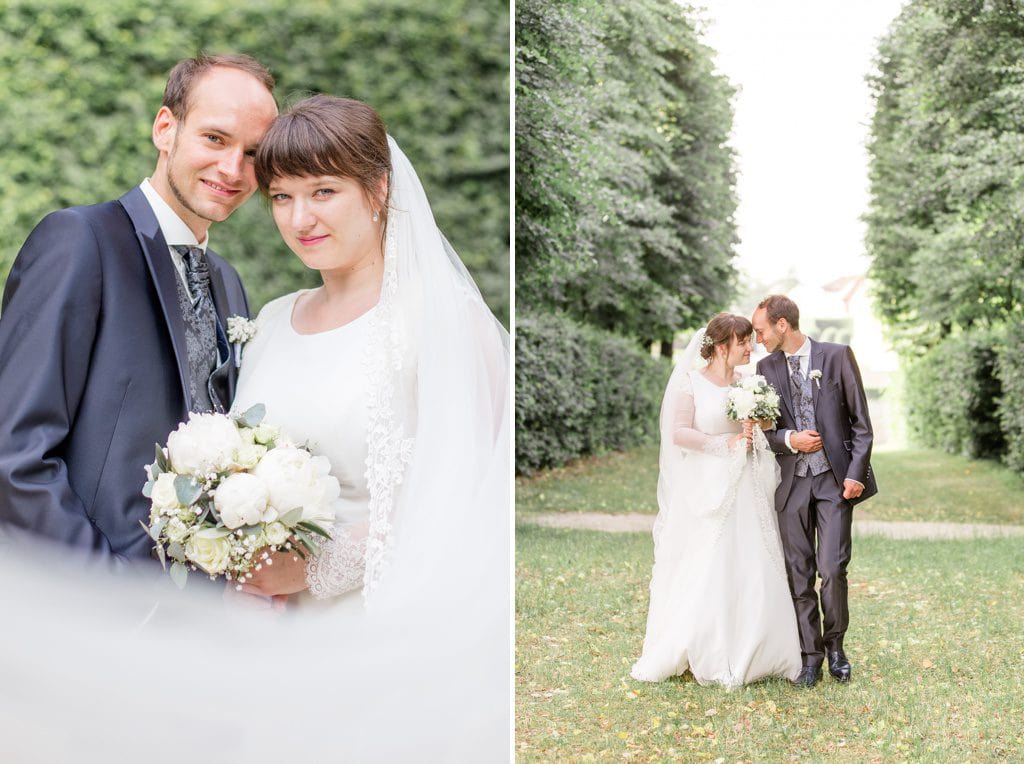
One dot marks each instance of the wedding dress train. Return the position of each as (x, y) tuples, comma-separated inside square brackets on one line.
[(720, 605)]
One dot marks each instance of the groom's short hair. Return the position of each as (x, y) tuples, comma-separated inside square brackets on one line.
[(779, 306), (187, 72)]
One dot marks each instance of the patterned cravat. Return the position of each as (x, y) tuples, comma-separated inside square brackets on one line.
[(197, 273), (794, 371)]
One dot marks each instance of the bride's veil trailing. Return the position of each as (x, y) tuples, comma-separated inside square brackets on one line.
[(671, 458), (104, 669)]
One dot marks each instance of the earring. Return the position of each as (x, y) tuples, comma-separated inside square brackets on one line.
[(376, 216)]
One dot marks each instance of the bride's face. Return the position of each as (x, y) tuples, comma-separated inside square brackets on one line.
[(739, 351), (327, 221)]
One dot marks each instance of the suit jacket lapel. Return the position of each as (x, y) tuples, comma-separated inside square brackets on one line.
[(778, 366), (220, 304), (817, 361), (165, 278)]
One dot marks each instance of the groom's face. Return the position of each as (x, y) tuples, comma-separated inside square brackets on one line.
[(205, 171), (768, 334)]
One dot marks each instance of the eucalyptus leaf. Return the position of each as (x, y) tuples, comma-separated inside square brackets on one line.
[(307, 542), (179, 574), (213, 533), (147, 489), (176, 551), (313, 527), (159, 549), (154, 530), (252, 530), (187, 489), (291, 517), (253, 416), (161, 460)]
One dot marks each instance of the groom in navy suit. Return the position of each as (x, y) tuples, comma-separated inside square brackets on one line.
[(113, 321), (822, 440)]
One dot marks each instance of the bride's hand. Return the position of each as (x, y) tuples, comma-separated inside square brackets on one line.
[(746, 436), (283, 574)]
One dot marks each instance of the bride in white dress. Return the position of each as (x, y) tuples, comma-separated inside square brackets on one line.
[(720, 605)]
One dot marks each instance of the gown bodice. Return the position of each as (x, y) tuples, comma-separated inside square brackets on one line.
[(315, 390)]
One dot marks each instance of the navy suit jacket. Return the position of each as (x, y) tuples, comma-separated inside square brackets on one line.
[(840, 413), (93, 373)]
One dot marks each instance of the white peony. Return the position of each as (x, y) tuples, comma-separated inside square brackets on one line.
[(743, 402), (241, 499), (295, 479), (164, 497), (205, 443), (210, 554)]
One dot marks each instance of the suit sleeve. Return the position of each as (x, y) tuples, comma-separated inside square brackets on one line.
[(860, 421), (51, 309), (776, 437)]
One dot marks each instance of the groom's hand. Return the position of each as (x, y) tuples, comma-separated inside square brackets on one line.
[(807, 441), (852, 489)]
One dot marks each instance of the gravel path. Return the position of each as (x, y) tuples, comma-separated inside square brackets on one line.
[(633, 522)]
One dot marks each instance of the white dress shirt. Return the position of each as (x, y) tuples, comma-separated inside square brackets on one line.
[(175, 233), (173, 228)]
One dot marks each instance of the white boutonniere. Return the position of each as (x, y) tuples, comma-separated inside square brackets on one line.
[(816, 376), (240, 331)]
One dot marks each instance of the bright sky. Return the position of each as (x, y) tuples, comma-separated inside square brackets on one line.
[(801, 125)]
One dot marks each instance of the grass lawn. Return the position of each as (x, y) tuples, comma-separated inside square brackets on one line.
[(913, 485), (935, 643)]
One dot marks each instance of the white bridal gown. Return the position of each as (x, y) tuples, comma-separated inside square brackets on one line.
[(719, 600), (314, 387)]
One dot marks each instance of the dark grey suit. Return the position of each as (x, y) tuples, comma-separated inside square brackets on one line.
[(93, 372), (814, 518)]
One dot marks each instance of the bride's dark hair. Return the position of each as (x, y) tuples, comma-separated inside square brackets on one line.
[(326, 135), (724, 327)]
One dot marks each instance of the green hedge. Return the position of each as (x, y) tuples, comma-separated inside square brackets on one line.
[(81, 80), (953, 393), (580, 390), (1010, 369)]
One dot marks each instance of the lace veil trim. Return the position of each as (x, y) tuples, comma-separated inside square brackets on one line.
[(389, 450)]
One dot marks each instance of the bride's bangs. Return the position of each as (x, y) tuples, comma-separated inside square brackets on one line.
[(295, 148)]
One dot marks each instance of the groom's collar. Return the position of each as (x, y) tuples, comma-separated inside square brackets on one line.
[(805, 349), (173, 227)]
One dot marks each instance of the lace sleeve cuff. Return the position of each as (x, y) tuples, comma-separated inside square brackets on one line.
[(339, 567), (717, 445)]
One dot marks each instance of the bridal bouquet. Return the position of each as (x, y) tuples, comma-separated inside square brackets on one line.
[(752, 398), (227, 490)]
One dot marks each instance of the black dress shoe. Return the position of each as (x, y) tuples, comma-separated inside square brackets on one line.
[(838, 666), (808, 677)]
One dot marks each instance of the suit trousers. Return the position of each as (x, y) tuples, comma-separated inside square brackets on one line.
[(815, 524)]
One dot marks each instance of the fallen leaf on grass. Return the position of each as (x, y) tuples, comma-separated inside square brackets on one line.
[(927, 664), (711, 712)]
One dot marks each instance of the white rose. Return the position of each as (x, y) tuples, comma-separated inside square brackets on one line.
[(206, 443), (248, 455), (210, 554), (176, 530), (264, 434), (276, 533), (241, 499), (164, 496)]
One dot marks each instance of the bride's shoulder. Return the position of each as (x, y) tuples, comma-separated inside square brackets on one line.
[(277, 309)]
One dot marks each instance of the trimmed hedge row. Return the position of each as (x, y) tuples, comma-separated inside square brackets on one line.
[(1010, 370), (580, 390), (954, 395), (81, 80)]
